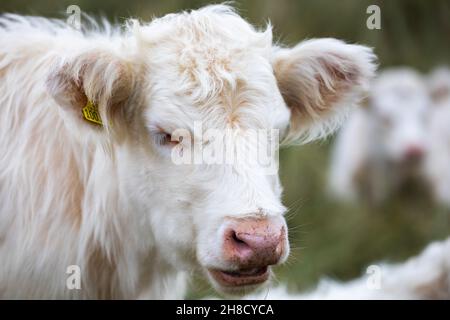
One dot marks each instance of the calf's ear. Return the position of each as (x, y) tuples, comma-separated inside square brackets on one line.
[(320, 80), (92, 89), (439, 84)]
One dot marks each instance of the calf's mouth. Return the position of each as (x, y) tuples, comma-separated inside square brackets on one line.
[(242, 277)]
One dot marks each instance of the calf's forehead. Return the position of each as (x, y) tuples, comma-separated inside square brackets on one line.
[(399, 93), (213, 66), (219, 87)]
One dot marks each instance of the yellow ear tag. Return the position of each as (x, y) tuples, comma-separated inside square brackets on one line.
[(91, 113)]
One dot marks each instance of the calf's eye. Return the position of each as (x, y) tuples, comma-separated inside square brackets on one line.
[(164, 139)]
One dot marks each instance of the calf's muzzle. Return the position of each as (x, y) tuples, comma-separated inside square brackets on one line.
[(254, 242)]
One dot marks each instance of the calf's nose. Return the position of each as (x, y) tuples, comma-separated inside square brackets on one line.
[(414, 153), (254, 242)]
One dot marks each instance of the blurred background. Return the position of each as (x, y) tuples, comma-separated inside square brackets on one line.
[(328, 238)]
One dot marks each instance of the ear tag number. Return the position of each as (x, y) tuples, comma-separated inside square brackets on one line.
[(91, 113)]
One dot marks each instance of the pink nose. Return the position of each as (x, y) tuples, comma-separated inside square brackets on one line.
[(254, 242), (414, 152)]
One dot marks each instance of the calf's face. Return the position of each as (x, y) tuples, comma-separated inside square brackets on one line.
[(399, 105), (197, 127)]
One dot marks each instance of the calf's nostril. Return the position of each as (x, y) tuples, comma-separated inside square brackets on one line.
[(238, 248), (243, 248), (236, 238)]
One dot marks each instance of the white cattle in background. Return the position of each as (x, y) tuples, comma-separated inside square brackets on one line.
[(438, 160), (381, 148), (425, 276), (109, 198)]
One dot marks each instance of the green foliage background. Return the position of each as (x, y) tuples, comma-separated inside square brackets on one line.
[(328, 239)]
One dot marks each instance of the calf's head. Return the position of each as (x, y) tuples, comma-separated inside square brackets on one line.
[(399, 106), (170, 94)]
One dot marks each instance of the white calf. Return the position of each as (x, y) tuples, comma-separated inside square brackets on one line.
[(426, 276), (381, 147), (92, 124)]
